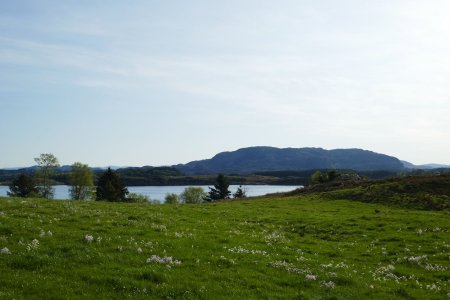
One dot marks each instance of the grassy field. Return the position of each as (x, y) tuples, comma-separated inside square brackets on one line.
[(300, 247)]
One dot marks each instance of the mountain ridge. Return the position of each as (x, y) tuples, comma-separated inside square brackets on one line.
[(266, 158)]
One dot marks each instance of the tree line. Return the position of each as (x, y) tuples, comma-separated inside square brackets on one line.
[(81, 180), (196, 195), (109, 187)]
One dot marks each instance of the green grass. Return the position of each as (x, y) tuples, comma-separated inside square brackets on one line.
[(254, 249), (425, 192)]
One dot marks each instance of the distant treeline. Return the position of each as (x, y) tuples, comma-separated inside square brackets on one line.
[(141, 176)]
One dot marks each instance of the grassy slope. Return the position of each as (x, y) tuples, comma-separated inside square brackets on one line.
[(240, 250), (429, 192)]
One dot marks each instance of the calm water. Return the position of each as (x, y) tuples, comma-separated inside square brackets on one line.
[(159, 192)]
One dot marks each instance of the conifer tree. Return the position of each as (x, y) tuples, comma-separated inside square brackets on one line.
[(111, 188), (220, 190), (23, 186), (240, 193)]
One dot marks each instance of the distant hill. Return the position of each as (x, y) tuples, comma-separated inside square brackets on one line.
[(257, 159), (409, 165)]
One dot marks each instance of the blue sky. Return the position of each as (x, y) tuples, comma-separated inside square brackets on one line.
[(166, 82)]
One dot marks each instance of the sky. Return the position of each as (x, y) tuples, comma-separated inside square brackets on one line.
[(157, 82)]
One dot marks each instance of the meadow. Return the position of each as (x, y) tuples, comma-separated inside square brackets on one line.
[(299, 247)]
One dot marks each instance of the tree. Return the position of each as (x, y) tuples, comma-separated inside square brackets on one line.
[(220, 189), (193, 195), (82, 182), (111, 188), (23, 186), (332, 175), (240, 193), (317, 177), (171, 199), (47, 163)]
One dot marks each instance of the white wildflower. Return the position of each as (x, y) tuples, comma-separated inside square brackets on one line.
[(241, 250), (311, 277), (49, 233), (433, 287), (419, 231), (328, 284), (288, 267), (120, 248), (99, 239), (88, 238), (167, 260), (33, 245), (275, 236), (139, 250), (417, 259), (160, 228), (5, 251), (431, 267), (342, 265)]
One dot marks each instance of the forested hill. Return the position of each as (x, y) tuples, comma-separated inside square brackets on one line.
[(253, 159)]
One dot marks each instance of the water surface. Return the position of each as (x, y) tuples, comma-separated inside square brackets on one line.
[(159, 192)]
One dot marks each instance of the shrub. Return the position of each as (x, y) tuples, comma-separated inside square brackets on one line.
[(172, 199), (138, 198), (193, 195)]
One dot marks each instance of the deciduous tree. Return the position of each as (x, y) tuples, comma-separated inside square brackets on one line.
[(47, 164), (81, 182)]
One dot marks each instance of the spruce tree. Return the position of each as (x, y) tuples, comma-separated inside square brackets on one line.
[(240, 193), (111, 188), (23, 186), (220, 190)]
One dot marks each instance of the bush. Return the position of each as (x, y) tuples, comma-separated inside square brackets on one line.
[(138, 198), (172, 199), (193, 195)]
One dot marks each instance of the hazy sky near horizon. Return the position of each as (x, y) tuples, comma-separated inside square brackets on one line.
[(165, 82)]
